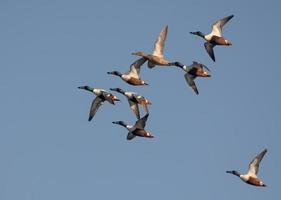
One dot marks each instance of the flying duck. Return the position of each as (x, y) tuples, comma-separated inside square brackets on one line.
[(215, 37), (134, 99), (193, 71), (251, 176), (132, 77), (101, 96), (137, 129), (157, 57)]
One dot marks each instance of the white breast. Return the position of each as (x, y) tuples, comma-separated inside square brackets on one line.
[(130, 128), (97, 91), (125, 77), (244, 178)]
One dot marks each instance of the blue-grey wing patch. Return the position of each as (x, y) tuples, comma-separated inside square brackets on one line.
[(190, 81)]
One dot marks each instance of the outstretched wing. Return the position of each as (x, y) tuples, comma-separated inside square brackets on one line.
[(134, 107), (140, 124), (190, 81), (135, 68), (209, 48), (97, 102), (160, 43), (130, 136), (254, 164), (217, 26)]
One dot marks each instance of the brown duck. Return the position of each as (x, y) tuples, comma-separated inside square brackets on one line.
[(251, 176), (215, 37), (132, 77), (157, 57)]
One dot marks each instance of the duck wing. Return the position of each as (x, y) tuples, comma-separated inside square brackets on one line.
[(160, 43), (209, 48), (217, 26), (130, 136), (204, 66), (140, 124), (97, 102), (135, 68), (134, 107), (190, 81), (254, 164)]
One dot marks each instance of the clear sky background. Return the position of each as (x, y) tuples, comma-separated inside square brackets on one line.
[(48, 149)]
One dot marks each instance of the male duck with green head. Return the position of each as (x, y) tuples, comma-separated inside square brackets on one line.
[(101, 96)]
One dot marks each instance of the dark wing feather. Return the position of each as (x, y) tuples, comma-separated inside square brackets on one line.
[(130, 136), (97, 102), (190, 81), (221, 22), (209, 48), (140, 124)]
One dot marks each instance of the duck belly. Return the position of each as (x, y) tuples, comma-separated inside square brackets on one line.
[(218, 40), (254, 181), (134, 81)]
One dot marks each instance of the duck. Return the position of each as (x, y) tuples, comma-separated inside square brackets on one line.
[(215, 37), (134, 99), (101, 96), (193, 71), (137, 129), (157, 57), (251, 176), (132, 77)]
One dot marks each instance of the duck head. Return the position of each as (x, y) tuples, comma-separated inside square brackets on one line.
[(90, 89), (139, 53), (199, 33), (121, 123), (118, 90), (116, 73), (234, 173)]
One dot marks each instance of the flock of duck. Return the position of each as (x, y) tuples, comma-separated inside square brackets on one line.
[(157, 58)]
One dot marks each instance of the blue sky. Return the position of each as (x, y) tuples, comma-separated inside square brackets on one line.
[(49, 150)]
